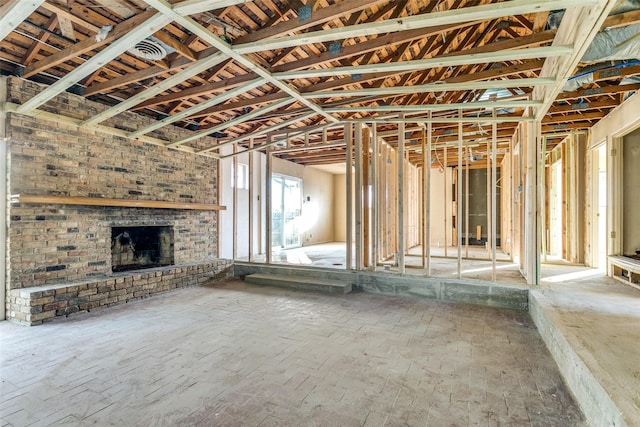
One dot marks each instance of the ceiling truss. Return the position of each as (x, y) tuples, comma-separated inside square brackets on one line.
[(267, 72)]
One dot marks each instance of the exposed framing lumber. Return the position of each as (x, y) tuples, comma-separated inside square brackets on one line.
[(51, 7), (57, 118), (622, 19), (127, 203), (216, 42), (434, 87), (422, 64), (255, 113), (199, 107), (467, 14), (194, 69), (587, 93), (257, 133), (578, 27), (196, 91), (242, 103), (134, 35), (436, 107), (368, 46), (14, 12), (348, 136), (400, 234), (319, 16), (43, 37), (582, 106), (119, 32)]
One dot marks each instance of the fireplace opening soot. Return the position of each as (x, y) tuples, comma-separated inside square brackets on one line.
[(140, 247)]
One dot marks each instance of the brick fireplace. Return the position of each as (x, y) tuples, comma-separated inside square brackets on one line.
[(61, 256), (140, 247)]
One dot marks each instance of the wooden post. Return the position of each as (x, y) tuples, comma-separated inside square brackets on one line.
[(459, 198), (348, 136), (218, 187), (251, 196), (400, 226), (428, 199), (366, 198), (531, 222), (423, 223), (374, 196), (494, 174), (235, 202), (358, 194), (446, 201), (489, 192), (269, 197), (466, 205)]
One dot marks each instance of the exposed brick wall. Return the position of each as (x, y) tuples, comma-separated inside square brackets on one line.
[(40, 304), (54, 244)]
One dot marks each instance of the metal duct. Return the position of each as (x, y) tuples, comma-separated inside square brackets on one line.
[(616, 44)]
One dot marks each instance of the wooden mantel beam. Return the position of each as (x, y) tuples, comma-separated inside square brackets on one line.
[(125, 203)]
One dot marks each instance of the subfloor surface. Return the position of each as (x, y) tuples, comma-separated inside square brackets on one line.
[(241, 355)]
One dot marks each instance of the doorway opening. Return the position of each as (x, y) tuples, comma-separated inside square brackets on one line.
[(555, 238), (602, 208), (286, 212)]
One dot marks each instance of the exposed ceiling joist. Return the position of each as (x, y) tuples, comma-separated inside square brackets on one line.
[(240, 119), (321, 15), (467, 14), (264, 131), (191, 7), (170, 82), (199, 107), (433, 87), (127, 40), (14, 12), (422, 64), (167, 10), (578, 28), (437, 107), (120, 31)]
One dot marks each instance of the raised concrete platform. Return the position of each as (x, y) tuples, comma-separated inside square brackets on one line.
[(491, 294), (300, 283), (592, 330)]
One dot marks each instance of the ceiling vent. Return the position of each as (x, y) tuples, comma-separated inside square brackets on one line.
[(149, 49)]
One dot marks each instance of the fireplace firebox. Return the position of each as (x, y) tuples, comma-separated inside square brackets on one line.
[(140, 247)]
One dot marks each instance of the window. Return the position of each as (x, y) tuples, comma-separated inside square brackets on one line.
[(243, 176)]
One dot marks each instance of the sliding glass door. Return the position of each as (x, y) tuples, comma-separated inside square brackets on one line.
[(286, 211)]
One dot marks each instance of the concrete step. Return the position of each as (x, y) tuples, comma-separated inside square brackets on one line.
[(300, 283)]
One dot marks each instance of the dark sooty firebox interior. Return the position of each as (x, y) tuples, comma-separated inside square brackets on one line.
[(136, 248)]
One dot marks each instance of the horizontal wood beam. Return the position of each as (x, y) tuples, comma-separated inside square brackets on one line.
[(586, 93), (433, 87), (317, 17), (462, 58), (386, 40), (87, 45), (583, 106), (126, 203), (13, 12), (195, 91), (622, 19), (466, 14), (185, 74), (573, 118)]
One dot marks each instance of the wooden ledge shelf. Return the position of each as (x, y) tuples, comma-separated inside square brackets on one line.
[(625, 269), (126, 203)]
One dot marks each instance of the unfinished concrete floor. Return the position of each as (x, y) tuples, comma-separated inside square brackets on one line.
[(240, 355), (599, 318)]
